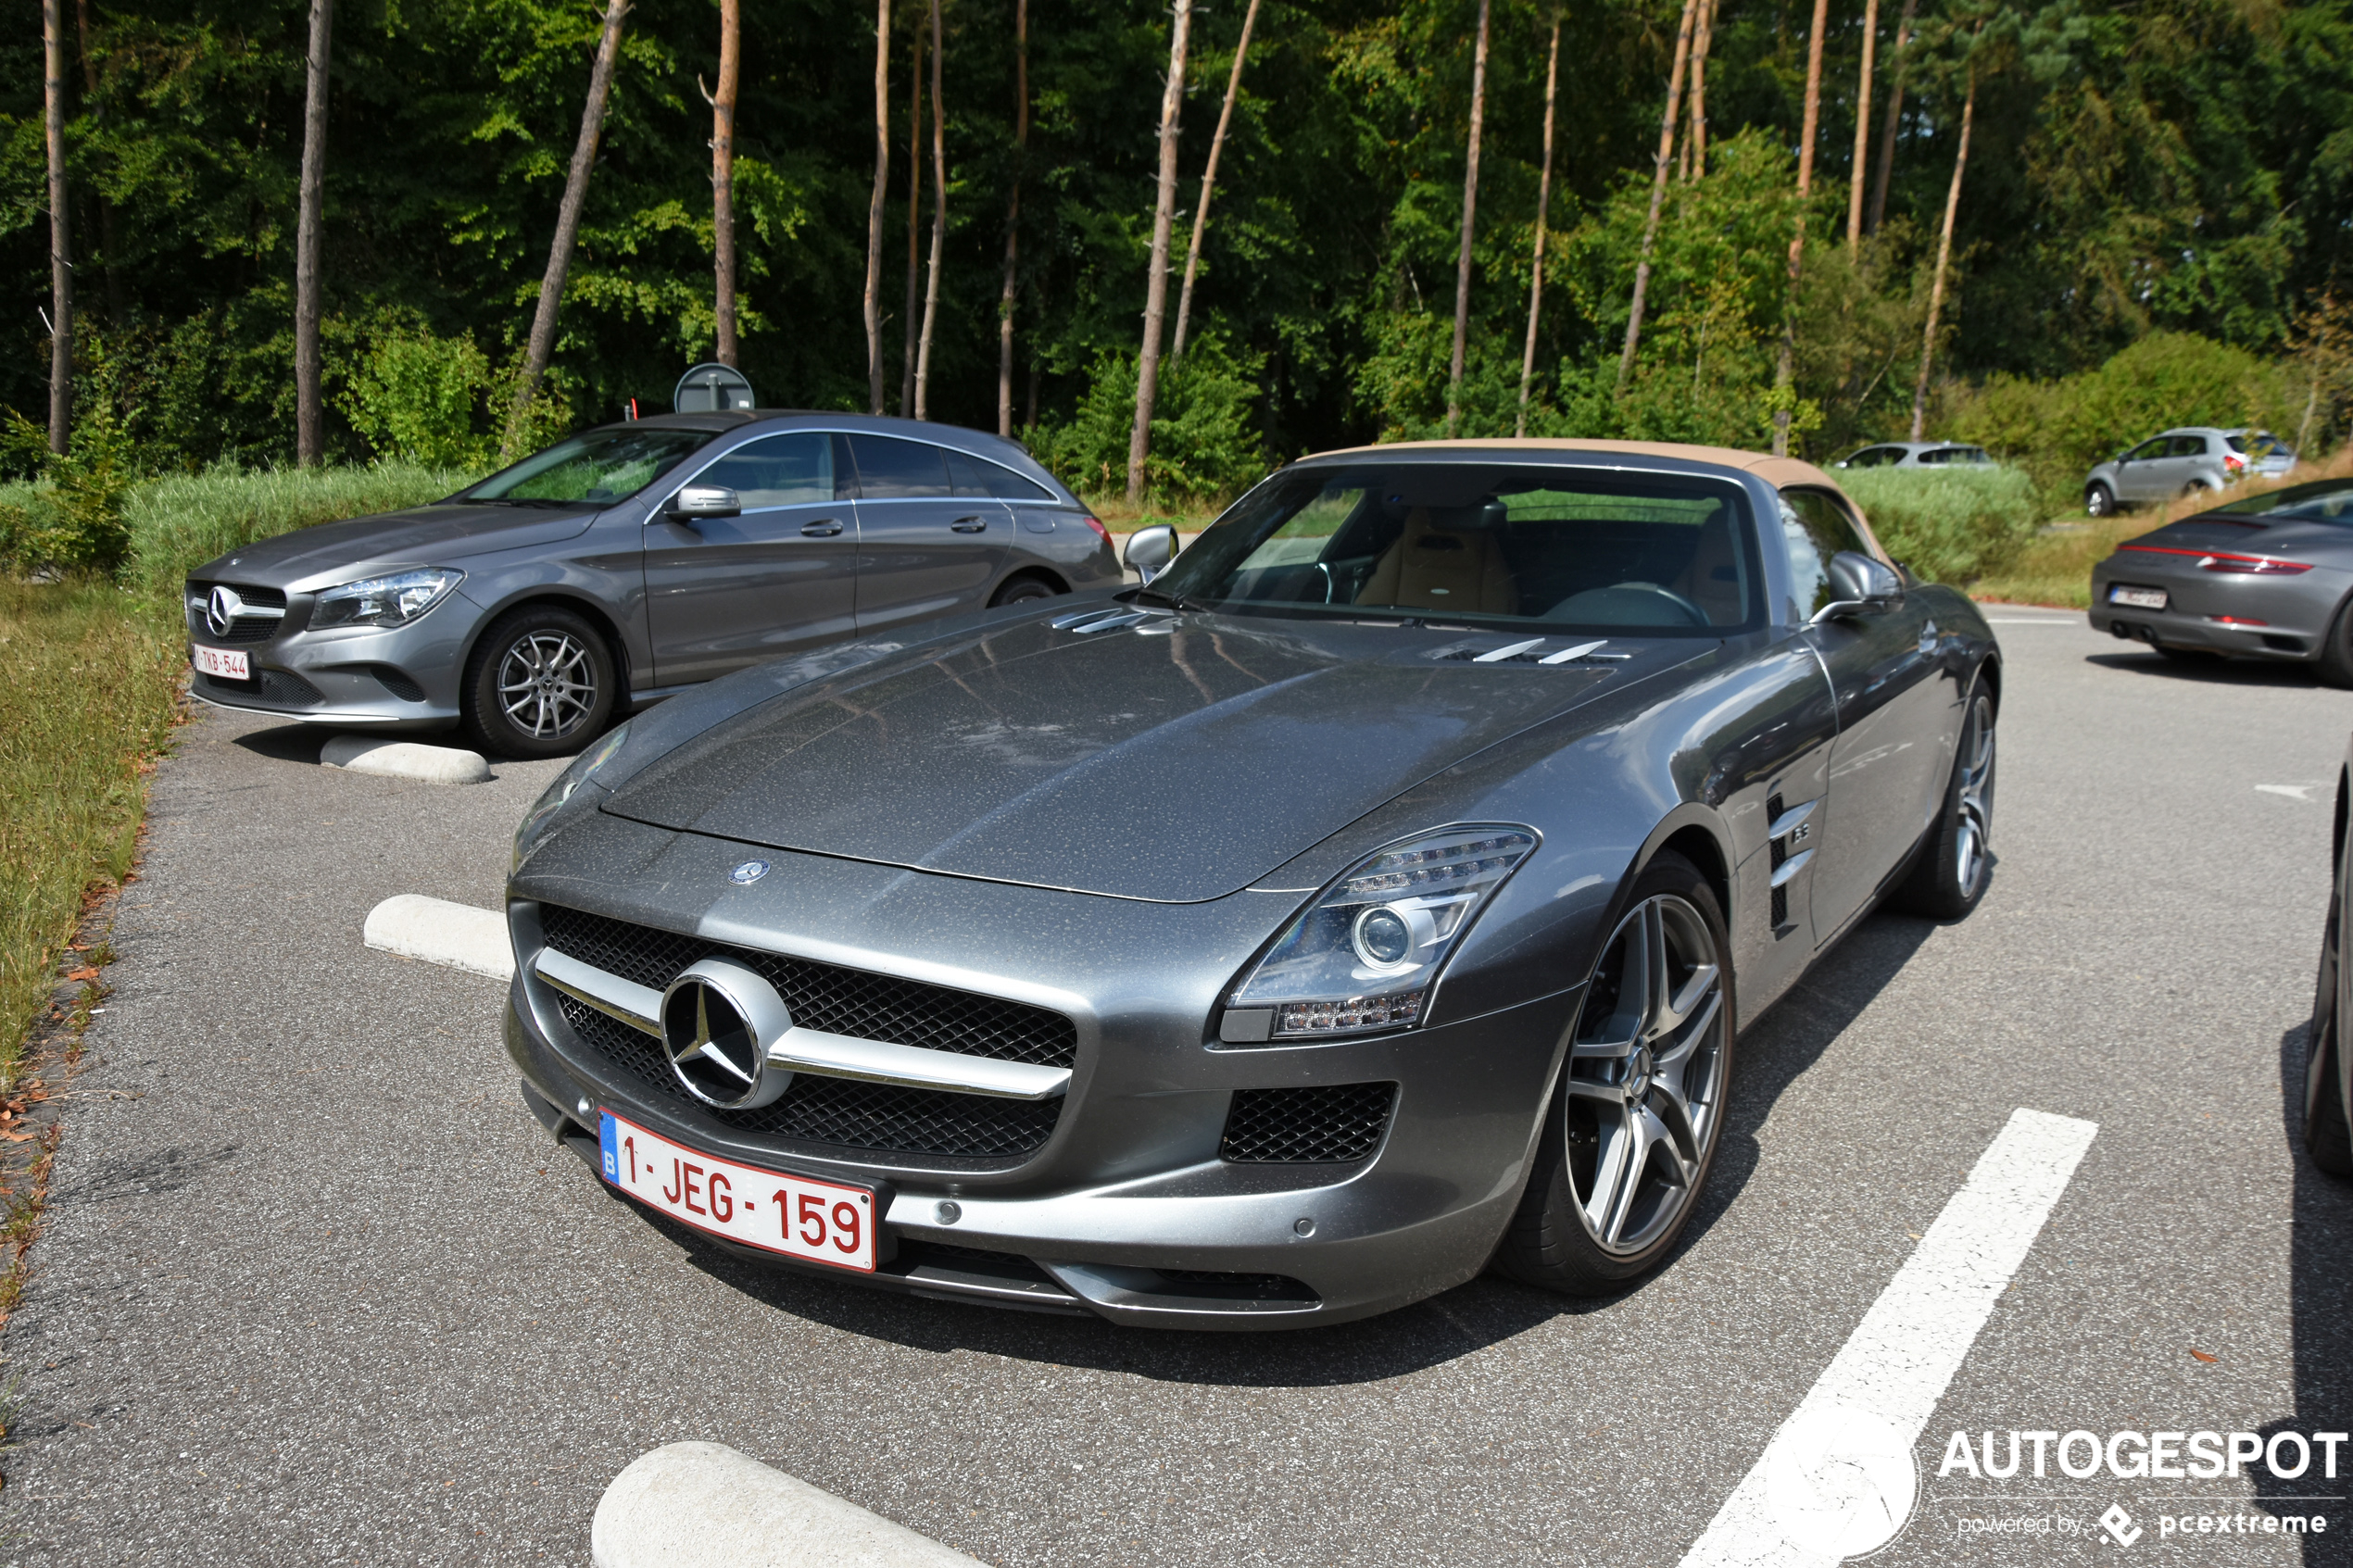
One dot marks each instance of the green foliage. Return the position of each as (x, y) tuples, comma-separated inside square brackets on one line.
[(181, 520), (1203, 446), (417, 398), (2057, 429), (1950, 524)]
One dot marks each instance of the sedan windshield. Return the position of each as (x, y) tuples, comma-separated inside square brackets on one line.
[(2325, 500), (597, 467), (1559, 546)]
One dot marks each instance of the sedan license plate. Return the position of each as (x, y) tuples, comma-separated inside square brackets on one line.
[(813, 1220), (230, 664), (2139, 598)]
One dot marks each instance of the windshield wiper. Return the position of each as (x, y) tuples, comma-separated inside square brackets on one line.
[(517, 501)]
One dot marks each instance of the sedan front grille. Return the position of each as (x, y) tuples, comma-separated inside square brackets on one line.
[(1341, 1121), (828, 996), (841, 1112), (244, 628)]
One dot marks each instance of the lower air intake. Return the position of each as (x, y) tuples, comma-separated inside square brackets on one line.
[(1327, 1126)]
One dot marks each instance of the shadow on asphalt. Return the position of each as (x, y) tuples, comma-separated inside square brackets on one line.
[(2215, 671), (1469, 1318), (284, 742), (2320, 1289)]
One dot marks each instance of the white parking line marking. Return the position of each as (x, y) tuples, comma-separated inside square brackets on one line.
[(454, 935), (1889, 1375), (2033, 621), (2294, 792)]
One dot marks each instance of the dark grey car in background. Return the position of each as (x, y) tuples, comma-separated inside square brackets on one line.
[(629, 561), (2269, 576), (1375, 896)]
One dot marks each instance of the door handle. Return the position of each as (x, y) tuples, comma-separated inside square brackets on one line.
[(824, 530), (969, 525)]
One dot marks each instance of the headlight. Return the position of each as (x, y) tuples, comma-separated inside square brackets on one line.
[(558, 794), (1363, 954), (394, 600)]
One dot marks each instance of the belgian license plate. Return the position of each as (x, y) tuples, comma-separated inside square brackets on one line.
[(228, 664), (814, 1220), (2139, 598)]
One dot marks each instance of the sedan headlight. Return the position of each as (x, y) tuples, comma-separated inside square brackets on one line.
[(557, 796), (392, 600), (1363, 954)]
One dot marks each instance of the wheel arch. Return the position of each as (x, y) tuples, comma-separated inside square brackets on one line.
[(1696, 834), (588, 608), (1054, 581)]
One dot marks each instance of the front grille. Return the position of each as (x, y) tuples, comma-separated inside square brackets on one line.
[(244, 628), (1307, 1126), (828, 996), (838, 1111), (277, 689)]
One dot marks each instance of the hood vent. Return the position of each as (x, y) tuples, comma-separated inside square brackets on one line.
[(1528, 650)]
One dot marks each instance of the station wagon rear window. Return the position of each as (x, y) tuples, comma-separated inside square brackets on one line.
[(1560, 547)]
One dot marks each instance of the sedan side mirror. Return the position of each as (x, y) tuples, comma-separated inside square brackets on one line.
[(1860, 585), (1150, 550), (704, 500)]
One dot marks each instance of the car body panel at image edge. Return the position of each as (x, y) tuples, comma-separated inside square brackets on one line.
[(1730, 679)]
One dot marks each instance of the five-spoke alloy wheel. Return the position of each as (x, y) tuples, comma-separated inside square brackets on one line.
[(1632, 1132)]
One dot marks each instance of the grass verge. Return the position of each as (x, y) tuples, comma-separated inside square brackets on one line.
[(92, 692)]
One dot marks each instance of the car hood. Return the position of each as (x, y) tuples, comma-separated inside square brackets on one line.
[(421, 537), (1179, 760)]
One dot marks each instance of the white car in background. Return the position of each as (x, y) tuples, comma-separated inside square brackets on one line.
[(2177, 462)]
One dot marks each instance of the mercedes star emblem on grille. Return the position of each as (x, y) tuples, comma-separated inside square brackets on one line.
[(220, 611), (748, 873), (718, 1020)]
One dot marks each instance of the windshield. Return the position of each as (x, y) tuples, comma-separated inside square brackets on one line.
[(1568, 548), (598, 466), (2327, 500)]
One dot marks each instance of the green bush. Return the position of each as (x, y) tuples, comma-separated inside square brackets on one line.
[(181, 522), (1949, 525), (1204, 442)]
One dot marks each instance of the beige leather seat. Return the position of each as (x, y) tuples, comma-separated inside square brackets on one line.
[(1711, 579), (1430, 567)]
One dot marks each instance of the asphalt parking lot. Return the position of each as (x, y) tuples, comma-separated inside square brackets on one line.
[(315, 1287)]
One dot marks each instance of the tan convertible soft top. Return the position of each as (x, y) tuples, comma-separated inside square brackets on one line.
[(1778, 473)]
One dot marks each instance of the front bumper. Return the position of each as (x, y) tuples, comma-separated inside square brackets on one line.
[(405, 678), (1181, 1237)]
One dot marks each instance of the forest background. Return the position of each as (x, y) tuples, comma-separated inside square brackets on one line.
[(2153, 227)]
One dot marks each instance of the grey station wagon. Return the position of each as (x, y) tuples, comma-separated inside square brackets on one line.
[(629, 561)]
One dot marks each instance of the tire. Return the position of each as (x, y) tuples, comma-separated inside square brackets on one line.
[(1619, 1171), (540, 684), (1022, 590), (1954, 861), (2099, 500), (2336, 667), (2326, 1137)]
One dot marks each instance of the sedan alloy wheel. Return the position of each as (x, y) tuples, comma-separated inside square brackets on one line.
[(541, 683)]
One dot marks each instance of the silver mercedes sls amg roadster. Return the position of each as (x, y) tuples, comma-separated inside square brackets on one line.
[(1373, 897)]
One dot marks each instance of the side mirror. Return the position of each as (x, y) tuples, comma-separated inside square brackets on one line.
[(1150, 550), (704, 500), (1860, 585)]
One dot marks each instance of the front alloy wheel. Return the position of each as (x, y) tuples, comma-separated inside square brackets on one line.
[(1632, 1133), (540, 684)]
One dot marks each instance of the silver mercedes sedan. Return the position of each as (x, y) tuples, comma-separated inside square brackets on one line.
[(629, 562)]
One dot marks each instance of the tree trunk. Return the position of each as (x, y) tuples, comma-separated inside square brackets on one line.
[(551, 287), (106, 209), (1944, 258), (1470, 209), (1661, 162), (938, 224), (723, 176), (908, 327), (309, 432), (1543, 214), (60, 234), (874, 208), (1208, 183), (1172, 101), (1696, 142), (1785, 370), (1895, 114), (1862, 127), (1013, 221)]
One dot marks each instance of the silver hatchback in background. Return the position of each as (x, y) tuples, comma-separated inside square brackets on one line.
[(627, 562), (1917, 455), (2173, 464)]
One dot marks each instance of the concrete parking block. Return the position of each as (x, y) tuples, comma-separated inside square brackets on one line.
[(703, 1505), (404, 759), (454, 935)]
